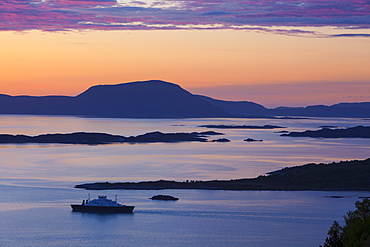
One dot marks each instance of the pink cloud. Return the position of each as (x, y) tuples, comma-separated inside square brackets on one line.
[(55, 15)]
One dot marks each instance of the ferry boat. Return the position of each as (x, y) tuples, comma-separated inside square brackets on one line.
[(102, 205)]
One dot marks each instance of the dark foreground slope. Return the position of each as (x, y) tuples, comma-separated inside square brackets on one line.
[(345, 175), (146, 99)]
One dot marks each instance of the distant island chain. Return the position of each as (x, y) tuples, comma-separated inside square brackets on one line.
[(157, 136)]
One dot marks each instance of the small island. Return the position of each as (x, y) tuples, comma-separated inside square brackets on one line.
[(103, 138), (221, 140), (341, 176), (354, 132), (252, 140), (221, 126), (164, 198)]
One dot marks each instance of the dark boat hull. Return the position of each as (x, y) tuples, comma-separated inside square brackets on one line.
[(102, 209)]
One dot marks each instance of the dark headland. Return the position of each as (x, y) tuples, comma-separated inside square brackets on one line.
[(353, 132), (342, 176)]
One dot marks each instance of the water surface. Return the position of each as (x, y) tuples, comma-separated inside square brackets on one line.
[(32, 216), (177, 161), (36, 184)]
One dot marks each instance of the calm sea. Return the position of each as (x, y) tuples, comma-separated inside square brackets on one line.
[(36, 184)]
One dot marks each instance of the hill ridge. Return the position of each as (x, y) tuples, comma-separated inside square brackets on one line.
[(142, 99), (161, 99)]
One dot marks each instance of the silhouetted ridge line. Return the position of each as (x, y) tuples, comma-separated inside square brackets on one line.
[(241, 108), (160, 99), (250, 109), (144, 99)]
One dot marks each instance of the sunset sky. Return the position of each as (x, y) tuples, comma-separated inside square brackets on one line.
[(290, 52)]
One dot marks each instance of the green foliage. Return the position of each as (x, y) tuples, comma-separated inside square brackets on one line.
[(355, 232), (357, 228), (334, 236)]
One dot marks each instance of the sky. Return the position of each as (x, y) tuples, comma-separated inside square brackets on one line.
[(289, 52)]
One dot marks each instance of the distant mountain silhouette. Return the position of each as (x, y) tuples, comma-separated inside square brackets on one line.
[(250, 109), (144, 99), (243, 108), (44, 105), (337, 110), (160, 99), (354, 105)]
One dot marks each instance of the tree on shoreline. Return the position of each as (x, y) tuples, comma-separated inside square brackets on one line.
[(355, 232)]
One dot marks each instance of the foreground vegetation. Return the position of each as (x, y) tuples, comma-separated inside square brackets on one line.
[(345, 175), (355, 232)]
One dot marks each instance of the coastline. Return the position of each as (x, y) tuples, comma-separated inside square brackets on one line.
[(104, 138), (342, 176)]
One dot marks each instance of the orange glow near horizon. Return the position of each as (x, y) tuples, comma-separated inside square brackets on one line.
[(37, 63)]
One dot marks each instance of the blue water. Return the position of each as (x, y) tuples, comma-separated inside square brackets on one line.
[(36, 185), (33, 216)]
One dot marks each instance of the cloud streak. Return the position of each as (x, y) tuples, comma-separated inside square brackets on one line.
[(289, 17)]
